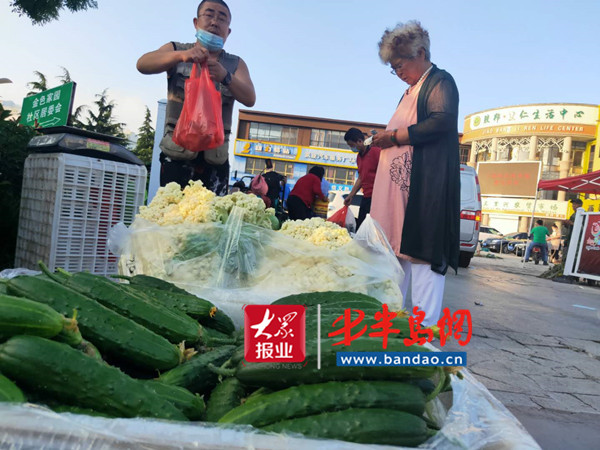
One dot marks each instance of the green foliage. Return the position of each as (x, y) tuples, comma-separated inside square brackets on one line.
[(145, 143), (13, 151), (38, 86), (44, 11), (104, 122)]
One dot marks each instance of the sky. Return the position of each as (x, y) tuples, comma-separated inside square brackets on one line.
[(318, 58)]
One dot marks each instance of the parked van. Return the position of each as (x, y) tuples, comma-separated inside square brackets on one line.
[(470, 214)]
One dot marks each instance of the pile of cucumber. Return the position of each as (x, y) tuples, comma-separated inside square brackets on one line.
[(375, 405), (86, 344)]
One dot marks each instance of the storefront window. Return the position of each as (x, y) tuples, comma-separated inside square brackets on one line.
[(256, 165), (339, 175), (328, 139), (273, 133)]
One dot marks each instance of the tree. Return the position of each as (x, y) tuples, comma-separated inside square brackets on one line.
[(145, 143), (104, 122), (38, 86), (41, 12), (65, 77), (13, 151)]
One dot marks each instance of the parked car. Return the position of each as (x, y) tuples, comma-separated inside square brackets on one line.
[(470, 214), (488, 232), (506, 243), (336, 201)]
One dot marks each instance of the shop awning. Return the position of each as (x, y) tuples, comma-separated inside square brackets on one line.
[(588, 183)]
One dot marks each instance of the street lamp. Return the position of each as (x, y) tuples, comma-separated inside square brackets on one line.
[(5, 80)]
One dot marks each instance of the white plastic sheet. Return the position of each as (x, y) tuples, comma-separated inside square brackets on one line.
[(476, 420)]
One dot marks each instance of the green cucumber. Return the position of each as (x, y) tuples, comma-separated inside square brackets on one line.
[(198, 308), (146, 281), (70, 333), (226, 396), (52, 367), (309, 399), (173, 325), (112, 333), (362, 425), (194, 374), (328, 298), (9, 391), (187, 303), (280, 376), (22, 316), (192, 405), (90, 350)]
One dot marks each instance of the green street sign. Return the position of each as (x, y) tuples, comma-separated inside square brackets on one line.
[(50, 108)]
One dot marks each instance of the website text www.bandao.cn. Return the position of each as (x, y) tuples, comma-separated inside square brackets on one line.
[(398, 359)]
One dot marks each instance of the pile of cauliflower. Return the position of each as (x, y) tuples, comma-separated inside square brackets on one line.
[(317, 231), (196, 204)]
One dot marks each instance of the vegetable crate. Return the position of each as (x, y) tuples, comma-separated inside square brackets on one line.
[(69, 203)]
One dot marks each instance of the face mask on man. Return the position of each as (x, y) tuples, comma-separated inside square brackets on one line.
[(209, 41)]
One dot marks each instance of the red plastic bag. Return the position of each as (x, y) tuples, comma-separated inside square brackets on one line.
[(200, 125), (259, 186), (339, 217)]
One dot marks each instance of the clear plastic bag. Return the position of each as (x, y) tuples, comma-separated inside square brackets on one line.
[(236, 263), (476, 420)]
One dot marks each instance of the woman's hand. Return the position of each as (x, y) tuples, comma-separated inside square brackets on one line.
[(391, 138), (383, 139)]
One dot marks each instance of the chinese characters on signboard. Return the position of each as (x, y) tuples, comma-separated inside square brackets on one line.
[(50, 108), (331, 157), (551, 113), (551, 209), (267, 150)]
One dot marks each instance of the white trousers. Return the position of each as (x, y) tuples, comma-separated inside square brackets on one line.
[(427, 290)]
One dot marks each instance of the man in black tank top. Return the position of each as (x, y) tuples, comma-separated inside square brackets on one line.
[(231, 77)]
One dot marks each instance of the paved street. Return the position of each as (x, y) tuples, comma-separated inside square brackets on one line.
[(532, 348)]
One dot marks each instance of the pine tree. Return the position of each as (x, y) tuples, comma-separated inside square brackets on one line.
[(104, 122), (145, 143)]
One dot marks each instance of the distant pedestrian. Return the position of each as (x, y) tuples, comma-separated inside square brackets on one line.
[(366, 162), (305, 191), (577, 205), (554, 244), (275, 182)]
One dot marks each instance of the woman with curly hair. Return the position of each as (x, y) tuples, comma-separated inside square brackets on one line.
[(416, 196)]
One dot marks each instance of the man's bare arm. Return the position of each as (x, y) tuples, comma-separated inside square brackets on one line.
[(166, 57)]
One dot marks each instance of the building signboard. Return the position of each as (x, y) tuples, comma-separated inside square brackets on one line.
[(566, 119), (511, 179), (329, 157), (50, 108), (266, 150), (549, 209)]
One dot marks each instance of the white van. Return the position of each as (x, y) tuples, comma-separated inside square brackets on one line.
[(470, 214)]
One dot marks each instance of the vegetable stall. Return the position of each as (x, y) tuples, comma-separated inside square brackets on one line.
[(154, 356)]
